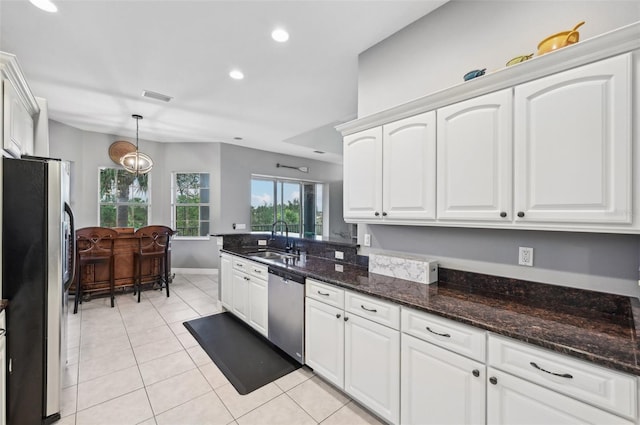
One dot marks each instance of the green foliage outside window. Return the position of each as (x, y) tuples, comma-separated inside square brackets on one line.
[(191, 204), (124, 198)]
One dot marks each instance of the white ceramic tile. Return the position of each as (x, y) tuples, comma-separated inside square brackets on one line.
[(68, 401), (279, 411), (157, 349), (189, 294), (104, 348), (294, 378), (240, 405), (67, 420), (318, 398), (178, 328), (180, 315), (187, 340), (213, 375), (175, 305), (131, 408), (352, 414), (172, 392), (150, 335), (204, 410), (104, 365), (166, 367), (107, 387), (150, 421), (199, 356)]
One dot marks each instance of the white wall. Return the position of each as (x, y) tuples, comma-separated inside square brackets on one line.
[(435, 52), (230, 168)]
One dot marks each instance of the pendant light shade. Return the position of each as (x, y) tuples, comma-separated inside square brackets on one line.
[(136, 162)]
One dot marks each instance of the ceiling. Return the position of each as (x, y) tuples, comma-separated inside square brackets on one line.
[(92, 59)]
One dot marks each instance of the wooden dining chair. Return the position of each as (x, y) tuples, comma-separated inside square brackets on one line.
[(152, 256), (94, 246)]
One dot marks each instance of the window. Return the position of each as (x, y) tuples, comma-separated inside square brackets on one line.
[(191, 204), (298, 203), (124, 198)]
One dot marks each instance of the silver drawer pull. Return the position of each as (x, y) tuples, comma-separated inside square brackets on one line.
[(373, 310), (439, 334), (2, 331), (562, 375), (257, 271), (322, 293)]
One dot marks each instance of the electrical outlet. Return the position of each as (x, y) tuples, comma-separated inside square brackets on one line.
[(367, 239), (262, 242), (525, 256), (339, 255)]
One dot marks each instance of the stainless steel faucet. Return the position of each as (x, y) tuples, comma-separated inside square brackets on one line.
[(286, 228)]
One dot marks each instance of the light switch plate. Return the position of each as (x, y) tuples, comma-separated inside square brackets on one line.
[(262, 242), (367, 239)]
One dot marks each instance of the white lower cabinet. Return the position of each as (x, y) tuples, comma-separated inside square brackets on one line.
[(356, 354), (258, 305), (226, 281), (440, 387), (513, 401), (240, 295)]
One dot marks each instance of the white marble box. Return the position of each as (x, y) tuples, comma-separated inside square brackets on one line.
[(414, 269)]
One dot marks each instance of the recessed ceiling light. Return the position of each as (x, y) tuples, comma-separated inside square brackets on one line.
[(320, 152), (237, 138), (46, 5), (236, 74), (156, 95), (280, 35)]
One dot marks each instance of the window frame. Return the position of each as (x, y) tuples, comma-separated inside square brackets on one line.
[(280, 180), (100, 203), (174, 204)]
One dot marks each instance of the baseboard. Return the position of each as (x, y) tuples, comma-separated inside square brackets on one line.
[(177, 270)]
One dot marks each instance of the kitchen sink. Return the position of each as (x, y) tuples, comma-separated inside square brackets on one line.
[(273, 255)]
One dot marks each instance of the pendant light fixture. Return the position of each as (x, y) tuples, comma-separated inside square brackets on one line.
[(136, 162)]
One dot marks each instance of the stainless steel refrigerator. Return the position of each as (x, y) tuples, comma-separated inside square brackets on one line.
[(37, 269)]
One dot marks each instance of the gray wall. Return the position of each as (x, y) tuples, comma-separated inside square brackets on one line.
[(230, 168), (434, 53)]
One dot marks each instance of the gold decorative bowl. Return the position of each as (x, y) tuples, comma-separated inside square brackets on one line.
[(559, 40)]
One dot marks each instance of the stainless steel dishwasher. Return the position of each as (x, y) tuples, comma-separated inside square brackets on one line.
[(286, 312)]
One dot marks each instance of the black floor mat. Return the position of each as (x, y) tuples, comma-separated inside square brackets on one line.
[(246, 358)]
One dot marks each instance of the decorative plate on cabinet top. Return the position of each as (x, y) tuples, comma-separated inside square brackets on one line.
[(473, 74), (519, 59), (120, 148)]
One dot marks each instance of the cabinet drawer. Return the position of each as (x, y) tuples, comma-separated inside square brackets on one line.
[(326, 293), (239, 264), (379, 311), (605, 388), (258, 270), (459, 338)]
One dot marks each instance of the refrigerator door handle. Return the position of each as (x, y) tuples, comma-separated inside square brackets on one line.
[(72, 245)]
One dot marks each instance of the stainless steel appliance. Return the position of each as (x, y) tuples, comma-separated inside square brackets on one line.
[(37, 269), (286, 312)]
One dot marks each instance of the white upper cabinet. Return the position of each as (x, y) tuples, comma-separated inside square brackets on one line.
[(363, 174), (572, 145), (408, 171), (18, 124), (389, 171), (475, 159)]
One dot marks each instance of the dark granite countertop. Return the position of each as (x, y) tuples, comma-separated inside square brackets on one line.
[(589, 325)]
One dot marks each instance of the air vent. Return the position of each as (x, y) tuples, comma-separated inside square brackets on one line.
[(156, 96)]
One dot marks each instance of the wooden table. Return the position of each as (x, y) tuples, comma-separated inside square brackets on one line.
[(96, 278)]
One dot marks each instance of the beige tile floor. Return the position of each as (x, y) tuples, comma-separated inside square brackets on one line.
[(137, 364)]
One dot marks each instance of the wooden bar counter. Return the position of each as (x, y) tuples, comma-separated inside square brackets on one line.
[(96, 278)]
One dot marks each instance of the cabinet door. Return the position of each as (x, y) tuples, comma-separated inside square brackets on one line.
[(372, 366), (475, 159), (324, 341), (226, 282), (513, 401), (18, 124), (258, 305), (363, 174), (440, 387), (409, 168), (240, 295), (572, 145)]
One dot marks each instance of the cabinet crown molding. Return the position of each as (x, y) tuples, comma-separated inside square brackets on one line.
[(621, 40), (11, 70)]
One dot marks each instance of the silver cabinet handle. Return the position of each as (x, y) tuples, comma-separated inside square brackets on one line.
[(373, 310), (562, 375), (437, 333), (322, 293), (338, 316), (257, 271), (246, 278), (3, 331)]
